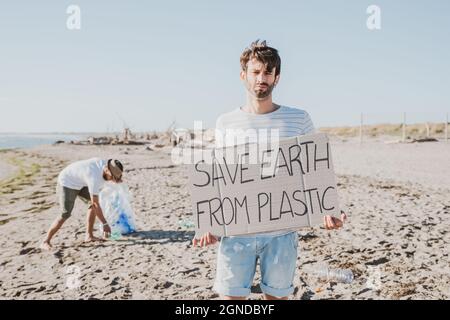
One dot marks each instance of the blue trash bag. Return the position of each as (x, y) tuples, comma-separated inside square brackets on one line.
[(115, 201)]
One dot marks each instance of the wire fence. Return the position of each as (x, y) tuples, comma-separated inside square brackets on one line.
[(403, 127)]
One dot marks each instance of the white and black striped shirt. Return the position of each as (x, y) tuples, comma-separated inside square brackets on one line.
[(290, 122)]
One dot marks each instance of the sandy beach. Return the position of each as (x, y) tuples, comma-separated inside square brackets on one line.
[(396, 240)]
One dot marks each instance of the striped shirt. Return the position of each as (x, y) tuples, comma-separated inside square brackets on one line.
[(290, 122)]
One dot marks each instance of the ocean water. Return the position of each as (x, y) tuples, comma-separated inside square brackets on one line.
[(12, 140)]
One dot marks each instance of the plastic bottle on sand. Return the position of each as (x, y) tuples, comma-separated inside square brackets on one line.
[(335, 275)]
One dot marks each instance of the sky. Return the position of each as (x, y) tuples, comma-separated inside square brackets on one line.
[(145, 64)]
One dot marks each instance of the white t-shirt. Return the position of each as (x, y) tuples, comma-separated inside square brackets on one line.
[(290, 122), (85, 173)]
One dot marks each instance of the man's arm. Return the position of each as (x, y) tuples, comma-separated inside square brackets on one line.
[(99, 213), (220, 142), (98, 209)]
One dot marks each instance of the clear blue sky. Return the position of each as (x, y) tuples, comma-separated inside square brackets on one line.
[(152, 62)]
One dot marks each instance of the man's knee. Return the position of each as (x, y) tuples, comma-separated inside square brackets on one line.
[(64, 216), (59, 221)]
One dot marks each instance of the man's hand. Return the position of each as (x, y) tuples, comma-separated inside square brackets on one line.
[(205, 240), (106, 231), (331, 223)]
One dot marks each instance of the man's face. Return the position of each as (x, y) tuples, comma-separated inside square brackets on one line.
[(258, 80), (107, 175)]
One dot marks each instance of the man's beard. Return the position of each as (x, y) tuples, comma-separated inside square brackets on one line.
[(262, 94)]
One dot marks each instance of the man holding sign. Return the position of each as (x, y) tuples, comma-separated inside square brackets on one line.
[(294, 158)]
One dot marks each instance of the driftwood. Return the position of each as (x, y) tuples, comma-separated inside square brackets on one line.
[(409, 140), (174, 137), (424, 140)]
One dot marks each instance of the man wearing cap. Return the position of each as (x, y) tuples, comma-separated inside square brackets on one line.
[(84, 179)]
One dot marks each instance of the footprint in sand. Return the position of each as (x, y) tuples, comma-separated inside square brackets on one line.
[(59, 255), (29, 251)]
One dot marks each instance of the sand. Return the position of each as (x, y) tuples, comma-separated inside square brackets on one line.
[(396, 240)]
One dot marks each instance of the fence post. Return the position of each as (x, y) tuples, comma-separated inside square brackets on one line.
[(428, 130), (404, 127), (361, 129), (446, 128)]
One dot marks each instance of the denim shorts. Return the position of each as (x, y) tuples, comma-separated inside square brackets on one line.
[(237, 258)]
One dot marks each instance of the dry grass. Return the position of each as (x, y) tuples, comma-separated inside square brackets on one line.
[(436, 130), (23, 176)]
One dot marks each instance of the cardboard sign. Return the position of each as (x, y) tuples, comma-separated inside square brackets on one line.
[(236, 190)]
